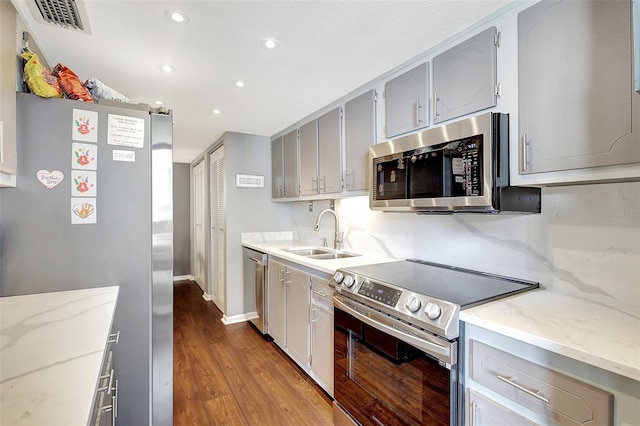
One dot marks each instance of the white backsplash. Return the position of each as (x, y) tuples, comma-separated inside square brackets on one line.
[(585, 243)]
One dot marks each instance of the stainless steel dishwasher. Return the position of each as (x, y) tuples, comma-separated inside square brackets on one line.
[(254, 265)]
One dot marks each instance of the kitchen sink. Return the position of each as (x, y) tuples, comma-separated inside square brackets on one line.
[(320, 253), (333, 256), (309, 251)]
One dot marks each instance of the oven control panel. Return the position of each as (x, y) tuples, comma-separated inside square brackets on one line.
[(434, 315), (383, 294)]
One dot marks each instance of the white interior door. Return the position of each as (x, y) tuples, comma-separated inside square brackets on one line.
[(217, 211), (199, 214)]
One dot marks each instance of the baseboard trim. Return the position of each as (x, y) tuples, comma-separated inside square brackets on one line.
[(236, 318), (206, 296), (183, 278)]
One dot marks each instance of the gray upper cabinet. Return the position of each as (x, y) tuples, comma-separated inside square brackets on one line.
[(277, 169), (329, 152), (636, 43), (309, 158), (577, 103), (360, 134), (464, 77), (290, 156), (406, 101)]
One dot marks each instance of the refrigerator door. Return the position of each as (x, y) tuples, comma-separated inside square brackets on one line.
[(129, 244)]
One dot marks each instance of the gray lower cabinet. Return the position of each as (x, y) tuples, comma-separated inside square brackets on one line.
[(482, 411), (276, 291), (105, 405), (288, 316), (309, 158), (464, 77), (406, 101), (300, 319), (277, 168), (550, 395), (321, 320), (577, 107), (360, 134), (297, 285)]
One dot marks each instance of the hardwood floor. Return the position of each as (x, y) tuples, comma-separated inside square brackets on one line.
[(230, 375)]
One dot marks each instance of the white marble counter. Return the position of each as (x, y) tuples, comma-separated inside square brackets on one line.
[(277, 247), (579, 329), (51, 351)]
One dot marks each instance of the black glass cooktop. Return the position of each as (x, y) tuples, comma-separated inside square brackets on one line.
[(463, 287)]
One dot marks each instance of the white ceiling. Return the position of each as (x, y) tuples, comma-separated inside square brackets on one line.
[(327, 49)]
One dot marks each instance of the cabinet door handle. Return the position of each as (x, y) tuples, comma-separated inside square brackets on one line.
[(418, 107), (108, 387), (314, 184), (322, 188), (435, 106), (474, 408), (114, 338), (115, 403), (320, 293), (512, 381), (525, 157)]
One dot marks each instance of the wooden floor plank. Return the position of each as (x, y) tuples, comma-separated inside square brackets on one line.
[(231, 375), (224, 411)]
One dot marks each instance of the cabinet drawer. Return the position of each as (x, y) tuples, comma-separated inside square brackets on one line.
[(321, 292), (559, 399), (483, 411)]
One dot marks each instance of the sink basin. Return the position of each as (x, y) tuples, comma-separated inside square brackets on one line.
[(332, 256), (309, 251), (320, 253)]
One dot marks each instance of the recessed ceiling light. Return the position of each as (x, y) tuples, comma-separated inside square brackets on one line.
[(159, 103), (239, 83), (217, 111), (270, 43), (166, 68), (177, 16)]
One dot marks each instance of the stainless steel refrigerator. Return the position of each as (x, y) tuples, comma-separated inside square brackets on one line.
[(107, 222)]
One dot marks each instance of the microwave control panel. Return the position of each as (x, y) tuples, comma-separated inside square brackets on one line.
[(466, 168)]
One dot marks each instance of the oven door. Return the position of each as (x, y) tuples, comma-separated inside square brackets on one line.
[(381, 379)]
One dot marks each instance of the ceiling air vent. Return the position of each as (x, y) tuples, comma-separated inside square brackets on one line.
[(60, 12)]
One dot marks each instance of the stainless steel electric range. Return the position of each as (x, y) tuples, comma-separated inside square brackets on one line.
[(396, 332)]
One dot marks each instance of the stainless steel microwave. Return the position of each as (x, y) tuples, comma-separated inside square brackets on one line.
[(458, 167)]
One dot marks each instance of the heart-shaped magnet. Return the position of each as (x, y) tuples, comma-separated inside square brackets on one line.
[(50, 179)]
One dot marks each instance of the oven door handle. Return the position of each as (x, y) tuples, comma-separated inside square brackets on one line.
[(445, 351)]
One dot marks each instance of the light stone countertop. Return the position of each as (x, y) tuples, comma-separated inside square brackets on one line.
[(51, 351), (577, 328)]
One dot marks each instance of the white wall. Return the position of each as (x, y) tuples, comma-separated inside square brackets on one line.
[(586, 241), (247, 209)]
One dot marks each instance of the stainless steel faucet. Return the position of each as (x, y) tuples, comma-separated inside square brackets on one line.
[(337, 243)]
